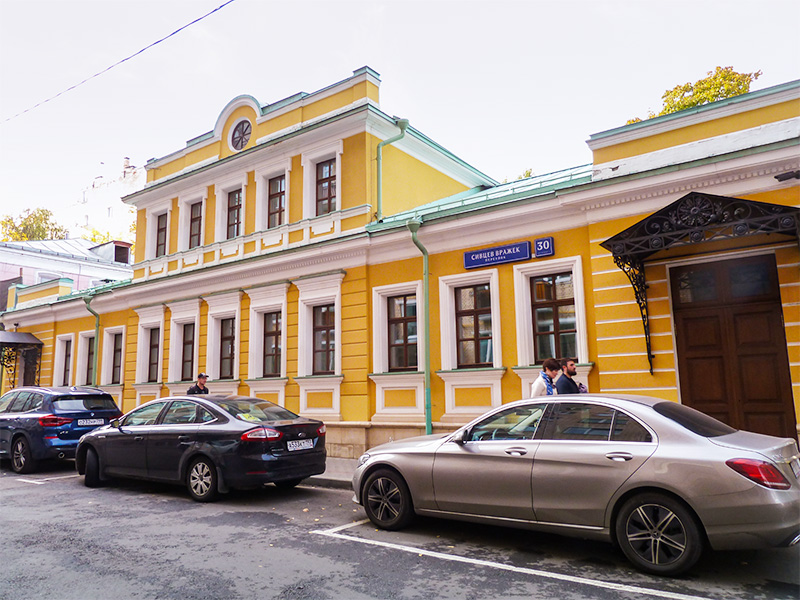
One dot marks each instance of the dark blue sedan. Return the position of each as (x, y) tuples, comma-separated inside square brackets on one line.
[(39, 423)]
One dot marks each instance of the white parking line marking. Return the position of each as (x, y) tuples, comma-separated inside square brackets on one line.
[(30, 481), (60, 477), (619, 587), (46, 479)]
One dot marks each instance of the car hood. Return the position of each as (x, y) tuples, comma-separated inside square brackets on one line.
[(408, 443), (770, 446)]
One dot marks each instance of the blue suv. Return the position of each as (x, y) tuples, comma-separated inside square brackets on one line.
[(39, 423)]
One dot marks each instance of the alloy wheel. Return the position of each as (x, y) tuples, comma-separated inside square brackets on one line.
[(656, 534)]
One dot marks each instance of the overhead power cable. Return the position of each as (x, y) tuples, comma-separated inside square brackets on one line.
[(116, 64)]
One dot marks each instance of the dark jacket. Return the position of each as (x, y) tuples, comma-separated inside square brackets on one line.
[(196, 389)]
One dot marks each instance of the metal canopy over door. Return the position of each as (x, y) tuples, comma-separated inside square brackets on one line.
[(731, 343)]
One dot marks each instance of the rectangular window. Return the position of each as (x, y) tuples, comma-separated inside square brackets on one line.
[(234, 213), (276, 202), (161, 235), (402, 323), (554, 319), (116, 361), (326, 187), (195, 222), (187, 353), (272, 344), (67, 361), (474, 326), (324, 339), (227, 338), (152, 364), (89, 360)]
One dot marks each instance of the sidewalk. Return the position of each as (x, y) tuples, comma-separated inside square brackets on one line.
[(338, 473)]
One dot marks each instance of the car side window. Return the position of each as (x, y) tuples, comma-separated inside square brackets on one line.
[(579, 421), (34, 402), (19, 402), (628, 429), (145, 415), (518, 423), (204, 416), (5, 401), (180, 412)]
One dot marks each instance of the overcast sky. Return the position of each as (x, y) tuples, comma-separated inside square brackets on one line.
[(505, 86)]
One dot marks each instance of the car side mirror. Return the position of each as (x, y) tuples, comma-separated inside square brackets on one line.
[(461, 437), (115, 424)]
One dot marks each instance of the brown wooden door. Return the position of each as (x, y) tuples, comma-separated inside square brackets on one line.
[(732, 358)]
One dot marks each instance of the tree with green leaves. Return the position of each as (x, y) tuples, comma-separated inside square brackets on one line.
[(36, 224), (719, 84)]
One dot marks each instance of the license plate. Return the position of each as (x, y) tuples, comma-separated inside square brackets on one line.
[(84, 422), (300, 444), (796, 467)]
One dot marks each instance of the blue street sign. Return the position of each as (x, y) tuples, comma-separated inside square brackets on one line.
[(497, 255)]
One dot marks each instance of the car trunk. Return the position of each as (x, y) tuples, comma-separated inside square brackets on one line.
[(782, 451)]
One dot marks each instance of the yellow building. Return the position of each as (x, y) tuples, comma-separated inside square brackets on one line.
[(321, 254)]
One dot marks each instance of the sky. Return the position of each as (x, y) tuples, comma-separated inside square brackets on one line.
[(504, 85)]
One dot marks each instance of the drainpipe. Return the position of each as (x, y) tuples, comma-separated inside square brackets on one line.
[(88, 300), (402, 124), (413, 227)]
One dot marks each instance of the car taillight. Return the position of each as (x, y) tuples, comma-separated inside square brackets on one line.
[(53, 421), (321, 431), (261, 434), (761, 472)]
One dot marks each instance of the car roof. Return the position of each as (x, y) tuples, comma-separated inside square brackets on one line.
[(61, 390)]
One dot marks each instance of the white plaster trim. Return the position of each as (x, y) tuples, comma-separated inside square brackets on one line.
[(222, 306), (182, 313), (321, 383), (221, 191), (185, 202), (147, 389), (269, 386), (263, 173), (309, 159), (235, 123), (400, 381), (522, 301), (81, 365), (107, 365), (317, 291), (151, 237), (447, 308), (226, 387), (699, 149), (380, 320), (59, 359), (149, 318), (488, 378), (263, 300)]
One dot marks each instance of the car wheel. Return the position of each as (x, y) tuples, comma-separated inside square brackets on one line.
[(91, 478), (288, 484), (387, 500), (201, 480), (21, 459), (658, 534)]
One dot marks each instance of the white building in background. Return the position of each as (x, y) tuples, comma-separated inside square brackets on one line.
[(100, 206)]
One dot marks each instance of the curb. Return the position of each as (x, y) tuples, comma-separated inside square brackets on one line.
[(330, 482)]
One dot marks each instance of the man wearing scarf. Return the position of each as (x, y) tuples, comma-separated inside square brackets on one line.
[(543, 386)]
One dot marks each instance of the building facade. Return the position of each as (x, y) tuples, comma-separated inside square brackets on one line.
[(323, 255)]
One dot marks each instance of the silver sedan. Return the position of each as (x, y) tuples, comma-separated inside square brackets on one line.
[(659, 479)]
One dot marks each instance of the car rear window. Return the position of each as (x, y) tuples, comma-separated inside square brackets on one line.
[(260, 411), (84, 403), (693, 420)]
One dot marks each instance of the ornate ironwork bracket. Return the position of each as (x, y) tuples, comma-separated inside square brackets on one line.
[(634, 269)]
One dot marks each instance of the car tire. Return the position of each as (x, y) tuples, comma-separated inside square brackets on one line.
[(288, 484), (22, 460), (201, 480), (659, 534), (387, 500), (91, 478)]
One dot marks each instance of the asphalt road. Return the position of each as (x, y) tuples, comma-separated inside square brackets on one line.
[(141, 540)]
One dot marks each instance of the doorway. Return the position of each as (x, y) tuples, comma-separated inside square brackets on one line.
[(731, 343)]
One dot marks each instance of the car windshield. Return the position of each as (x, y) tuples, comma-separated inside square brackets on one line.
[(255, 411), (98, 402), (693, 420)]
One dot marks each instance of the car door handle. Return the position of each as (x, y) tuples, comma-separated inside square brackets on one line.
[(184, 438), (515, 451), (619, 456), (138, 438)]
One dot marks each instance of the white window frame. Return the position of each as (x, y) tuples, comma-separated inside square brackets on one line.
[(44, 276), (107, 366), (222, 306), (263, 174), (149, 318), (263, 300), (182, 313), (84, 339), (152, 230), (309, 160), (221, 191), (185, 202), (59, 359), (524, 319), (319, 291)]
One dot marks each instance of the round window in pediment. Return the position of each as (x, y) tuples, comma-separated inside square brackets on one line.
[(241, 134)]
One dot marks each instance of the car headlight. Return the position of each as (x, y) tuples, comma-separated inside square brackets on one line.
[(363, 458)]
